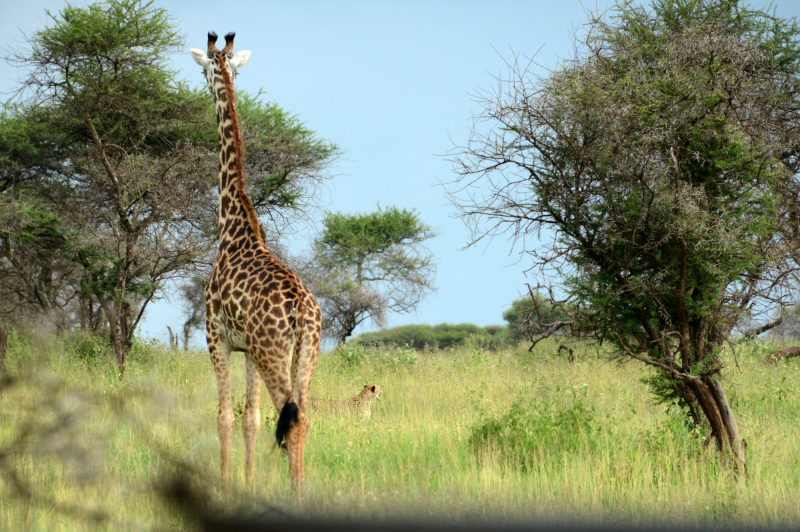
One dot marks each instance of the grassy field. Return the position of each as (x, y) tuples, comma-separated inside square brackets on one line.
[(584, 441)]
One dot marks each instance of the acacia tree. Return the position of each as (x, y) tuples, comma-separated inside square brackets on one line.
[(367, 265), (662, 161)]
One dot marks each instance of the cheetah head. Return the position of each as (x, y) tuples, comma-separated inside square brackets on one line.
[(371, 391)]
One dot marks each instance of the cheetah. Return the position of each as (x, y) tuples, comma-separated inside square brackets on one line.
[(357, 403)]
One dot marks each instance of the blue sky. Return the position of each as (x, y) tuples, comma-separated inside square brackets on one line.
[(390, 83)]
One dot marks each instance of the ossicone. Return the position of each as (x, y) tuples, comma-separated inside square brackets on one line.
[(212, 42)]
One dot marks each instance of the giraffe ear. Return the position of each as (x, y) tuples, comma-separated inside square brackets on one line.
[(200, 57), (239, 59)]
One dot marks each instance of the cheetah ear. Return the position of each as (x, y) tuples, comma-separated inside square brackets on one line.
[(373, 388), (366, 385)]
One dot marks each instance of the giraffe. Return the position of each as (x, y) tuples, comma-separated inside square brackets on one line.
[(254, 303)]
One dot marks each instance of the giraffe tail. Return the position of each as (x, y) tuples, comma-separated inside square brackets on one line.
[(291, 411), (300, 327), (288, 415)]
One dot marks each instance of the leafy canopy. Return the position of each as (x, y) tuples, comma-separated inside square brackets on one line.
[(370, 264), (354, 239)]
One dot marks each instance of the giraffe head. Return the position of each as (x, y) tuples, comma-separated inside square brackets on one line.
[(210, 60)]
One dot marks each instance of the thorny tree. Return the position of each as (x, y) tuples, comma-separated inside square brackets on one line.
[(659, 166), (367, 265)]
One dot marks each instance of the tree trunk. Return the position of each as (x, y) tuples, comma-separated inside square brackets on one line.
[(685, 393), (348, 326), (186, 331), (120, 335), (738, 445), (173, 339), (724, 429), (3, 344)]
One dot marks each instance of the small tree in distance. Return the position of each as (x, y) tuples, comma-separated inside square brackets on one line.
[(533, 316), (367, 265)]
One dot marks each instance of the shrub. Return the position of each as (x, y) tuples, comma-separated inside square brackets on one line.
[(19, 348), (442, 336), (87, 346), (355, 354), (528, 431)]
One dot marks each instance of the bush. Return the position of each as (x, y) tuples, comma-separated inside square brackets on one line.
[(442, 336), (87, 346), (19, 348), (355, 354), (526, 431)]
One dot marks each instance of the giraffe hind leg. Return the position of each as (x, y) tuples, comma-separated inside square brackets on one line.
[(278, 382), (296, 441), (304, 365)]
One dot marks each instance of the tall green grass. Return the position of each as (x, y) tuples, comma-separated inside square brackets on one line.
[(458, 434)]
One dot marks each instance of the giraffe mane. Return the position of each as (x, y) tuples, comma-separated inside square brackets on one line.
[(238, 166), (256, 226)]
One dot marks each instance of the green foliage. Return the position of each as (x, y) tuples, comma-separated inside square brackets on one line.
[(524, 321), (713, 209), (663, 161), (107, 62), (281, 152), (442, 336), (20, 347), (355, 354), (107, 191), (27, 147), (370, 264), (359, 239), (529, 431), (676, 431), (104, 275), (39, 223), (88, 347)]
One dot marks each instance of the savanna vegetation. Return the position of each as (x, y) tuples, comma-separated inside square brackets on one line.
[(459, 434), (661, 160), (442, 336)]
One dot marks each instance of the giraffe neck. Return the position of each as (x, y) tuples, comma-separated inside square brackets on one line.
[(237, 217)]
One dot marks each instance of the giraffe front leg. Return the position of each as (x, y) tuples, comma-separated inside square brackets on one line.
[(251, 420), (220, 357)]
